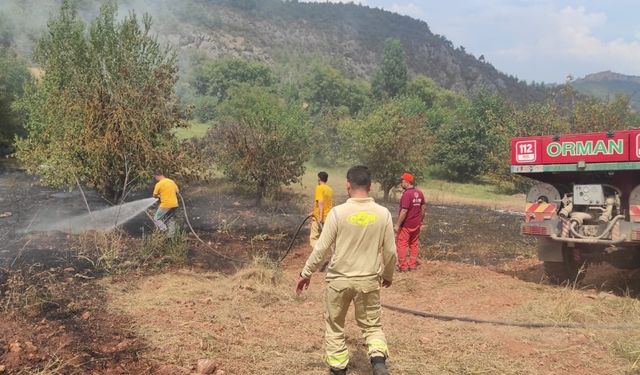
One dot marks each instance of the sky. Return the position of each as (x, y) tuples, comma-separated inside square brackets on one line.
[(541, 41)]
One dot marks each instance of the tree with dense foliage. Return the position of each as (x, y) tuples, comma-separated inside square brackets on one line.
[(104, 111), (326, 143), (591, 114), (470, 144), (425, 89), (13, 76), (391, 78), (214, 78), (259, 140), (390, 140), (326, 88)]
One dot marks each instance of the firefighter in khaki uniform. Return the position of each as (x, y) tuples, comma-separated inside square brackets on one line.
[(362, 232)]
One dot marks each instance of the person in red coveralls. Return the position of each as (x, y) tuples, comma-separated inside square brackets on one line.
[(407, 228)]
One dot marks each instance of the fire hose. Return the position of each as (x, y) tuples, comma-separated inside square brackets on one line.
[(419, 313), (186, 217), (425, 314), (293, 239), (606, 231)]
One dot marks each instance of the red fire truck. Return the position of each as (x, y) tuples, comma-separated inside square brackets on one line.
[(585, 207)]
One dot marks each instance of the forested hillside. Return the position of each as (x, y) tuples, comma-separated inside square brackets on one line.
[(606, 85), (275, 85), (290, 36)]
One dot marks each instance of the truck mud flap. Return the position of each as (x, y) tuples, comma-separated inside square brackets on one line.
[(549, 250)]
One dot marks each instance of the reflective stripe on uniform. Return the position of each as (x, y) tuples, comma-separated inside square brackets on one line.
[(377, 345), (338, 360)]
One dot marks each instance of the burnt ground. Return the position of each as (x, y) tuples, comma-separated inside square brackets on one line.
[(52, 312)]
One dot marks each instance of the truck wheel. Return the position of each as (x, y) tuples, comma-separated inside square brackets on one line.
[(571, 269)]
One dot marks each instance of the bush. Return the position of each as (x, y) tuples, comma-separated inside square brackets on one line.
[(104, 250), (259, 140), (157, 249)]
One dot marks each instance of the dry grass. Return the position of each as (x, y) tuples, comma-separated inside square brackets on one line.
[(102, 249), (114, 252), (571, 305), (20, 293), (253, 324), (196, 315), (53, 366), (158, 250)]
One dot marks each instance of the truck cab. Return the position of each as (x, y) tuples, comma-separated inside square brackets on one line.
[(585, 204)]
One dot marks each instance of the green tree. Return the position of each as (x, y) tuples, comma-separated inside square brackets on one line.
[(104, 110), (13, 76), (243, 4), (214, 78), (326, 88), (390, 140), (425, 89), (326, 143), (473, 142), (540, 119), (391, 78), (260, 140), (590, 114)]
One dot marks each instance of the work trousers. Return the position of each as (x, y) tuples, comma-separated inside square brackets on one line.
[(408, 238), (164, 220), (365, 295), (316, 229)]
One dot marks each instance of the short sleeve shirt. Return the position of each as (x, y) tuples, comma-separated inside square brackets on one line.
[(412, 200), (167, 191), (324, 193)]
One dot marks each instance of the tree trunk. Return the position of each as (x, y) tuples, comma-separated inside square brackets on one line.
[(387, 191), (261, 192)]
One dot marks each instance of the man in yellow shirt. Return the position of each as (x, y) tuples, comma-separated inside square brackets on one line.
[(364, 259), (321, 206), (167, 191)]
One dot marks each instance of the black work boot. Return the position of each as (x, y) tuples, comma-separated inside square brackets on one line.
[(334, 371), (379, 366)]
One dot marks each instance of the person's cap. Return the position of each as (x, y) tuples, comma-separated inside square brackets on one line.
[(407, 177)]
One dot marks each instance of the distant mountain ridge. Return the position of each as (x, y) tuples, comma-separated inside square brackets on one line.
[(348, 36), (606, 85), (292, 35), (609, 76)]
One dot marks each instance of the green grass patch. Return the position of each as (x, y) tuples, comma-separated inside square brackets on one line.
[(437, 191), (195, 130)]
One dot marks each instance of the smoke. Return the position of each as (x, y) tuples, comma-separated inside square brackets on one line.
[(25, 21), (101, 220)]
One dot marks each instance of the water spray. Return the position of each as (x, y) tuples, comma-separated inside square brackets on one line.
[(101, 220)]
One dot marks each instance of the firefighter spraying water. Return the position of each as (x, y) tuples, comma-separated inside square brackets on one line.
[(166, 190)]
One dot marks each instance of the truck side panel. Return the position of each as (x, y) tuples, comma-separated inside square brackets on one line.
[(614, 147)]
